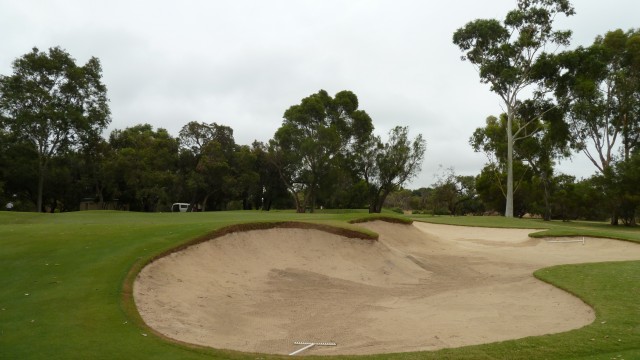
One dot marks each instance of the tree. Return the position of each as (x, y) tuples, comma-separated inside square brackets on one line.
[(53, 103), (18, 172), (271, 191), (600, 87), (210, 149), (64, 185), (313, 135), (565, 202), (544, 138), (457, 193), (399, 200), (422, 200), (386, 166), (246, 175), (96, 155), (4, 146), (195, 136), (143, 166), (491, 190), (216, 170), (623, 180), (506, 56)]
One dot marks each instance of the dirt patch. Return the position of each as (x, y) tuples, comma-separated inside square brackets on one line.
[(419, 287)]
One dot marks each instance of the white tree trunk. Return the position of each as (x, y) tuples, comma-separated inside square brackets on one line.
[(508, 212)]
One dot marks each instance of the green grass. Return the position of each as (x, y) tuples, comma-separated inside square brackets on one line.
[(546, 228), (62, 278)]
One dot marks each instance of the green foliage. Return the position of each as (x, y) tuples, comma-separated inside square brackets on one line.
[(454, 194), (214, 169), (18, 172), (54, 104), (510, 58), (621, 185), (400, 199), (270, 190), (313, 141), (599, 86), (143, 166), (385, 167), (491, 187)]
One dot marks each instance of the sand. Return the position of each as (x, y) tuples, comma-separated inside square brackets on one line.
[(420, 287)]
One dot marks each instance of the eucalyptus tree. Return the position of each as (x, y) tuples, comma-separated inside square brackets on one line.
[(215, 168), (490, 187), (626, 177), (143, 166), (544, 138), (3, 163), (206, 155), (456, 193), (95, 157), (53, 103), (385, 167), (270, 190), (18, 172), (600, 87), (247, 177), (506, 56), (194, 136), (314, 135)]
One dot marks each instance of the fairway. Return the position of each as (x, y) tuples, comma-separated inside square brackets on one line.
[(66, 293)]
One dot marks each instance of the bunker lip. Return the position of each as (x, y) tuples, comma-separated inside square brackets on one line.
[(420, 287)]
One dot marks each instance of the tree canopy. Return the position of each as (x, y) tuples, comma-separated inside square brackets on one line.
[(385, 167), (599, 86), (507, 56), (314, 136), (53, 104)]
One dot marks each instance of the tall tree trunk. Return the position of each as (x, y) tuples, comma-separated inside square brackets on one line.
[(373, 200), (204, 202), (547, 206), (312, 203), (299, 207), (381, 200), (246, 203), (508, 212), (100, 196), (193, 203), (372, 208), (378, 201), (40, 188), (625, 137), (615, 219)]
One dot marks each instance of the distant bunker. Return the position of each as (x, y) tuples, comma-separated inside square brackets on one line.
[(418, 287)]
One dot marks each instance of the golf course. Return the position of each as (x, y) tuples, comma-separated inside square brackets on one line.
[(67, 286)]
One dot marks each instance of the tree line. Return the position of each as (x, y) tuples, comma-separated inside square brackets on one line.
[(325, 153), (563, 197), (585, 100), (52, 154)]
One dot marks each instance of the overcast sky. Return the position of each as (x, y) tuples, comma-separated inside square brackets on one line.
[(243, 63)]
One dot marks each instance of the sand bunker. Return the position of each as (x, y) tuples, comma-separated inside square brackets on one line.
[(420, 287)]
